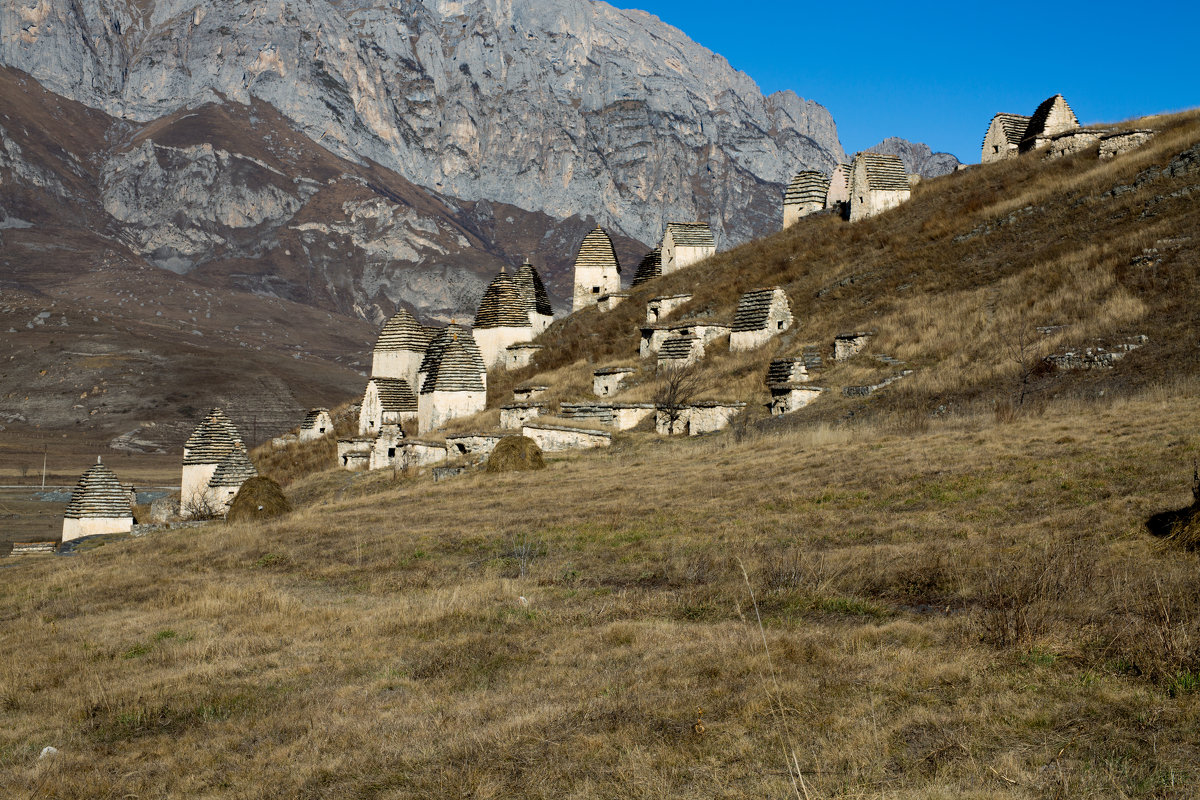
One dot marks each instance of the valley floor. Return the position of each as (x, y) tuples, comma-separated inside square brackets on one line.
[(970, 609)]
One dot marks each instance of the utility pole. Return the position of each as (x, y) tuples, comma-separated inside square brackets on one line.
[(45, 449)]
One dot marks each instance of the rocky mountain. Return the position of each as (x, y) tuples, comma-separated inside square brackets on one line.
[(918, 158), (563, 107)]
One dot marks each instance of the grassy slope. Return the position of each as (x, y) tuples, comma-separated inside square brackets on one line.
[(958, 606)]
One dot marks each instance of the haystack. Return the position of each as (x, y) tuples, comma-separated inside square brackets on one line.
[(258, 499), (515, 453)]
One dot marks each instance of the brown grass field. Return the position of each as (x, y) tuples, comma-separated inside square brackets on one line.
[(943, 591)]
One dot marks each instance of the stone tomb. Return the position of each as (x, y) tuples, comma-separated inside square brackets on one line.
[(529, 391), (520, 355), (787, 370), (789, 397), (653, 336), (705, 416), (385, 447), (502, 320), (557, 438), (317, 423), (471, 445), (659, 308), (878, 183), (514, 415), (608, 302), (680, 351), (805, 195), (761, 314), (99, 504), (848, 345), (354, 454), (597, 272), (684, 244), (619, 416), (606, 381)]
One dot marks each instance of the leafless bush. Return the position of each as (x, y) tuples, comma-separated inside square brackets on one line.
[(523, 550), (200, 507), (680, 386)]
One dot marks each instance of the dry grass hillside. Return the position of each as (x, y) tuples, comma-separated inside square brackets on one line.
[(937, 592)]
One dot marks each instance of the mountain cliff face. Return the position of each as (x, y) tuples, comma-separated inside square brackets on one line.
[(918, 158), (564, 107)]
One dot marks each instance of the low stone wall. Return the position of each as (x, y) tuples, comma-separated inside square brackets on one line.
[(515, 415), (1122, 142), (524, 393), (95, 526), (1097, 357), (557, 438), (412, 453), (32, 548), (473, 444), (608, 302), (848, 345), (517, 356), (352, 450), (864, 391), (696, 419), (652, 338)]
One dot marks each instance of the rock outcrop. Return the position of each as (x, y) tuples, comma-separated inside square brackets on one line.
[(918, 158)]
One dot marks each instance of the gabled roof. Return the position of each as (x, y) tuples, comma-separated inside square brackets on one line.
[(807, 187), (1013, 127), (234, 470), (691, 234), (395, 395), (313, 416), (674, 347), (533, 291), (753, 309), (597, 251), (444, 336), (846, 171), (650, 268), (403, 332), (502, 305), (456, 371), (99, 495), (1037, 123), (212, 439), (885, 172)]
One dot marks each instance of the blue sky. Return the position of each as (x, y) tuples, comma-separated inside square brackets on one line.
[(937, 72)]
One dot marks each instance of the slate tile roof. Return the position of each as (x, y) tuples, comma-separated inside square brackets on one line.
[(807, 187), (234, 470), (395, 395), (650, 268), (753, 309), (502, 305), (311, 418), (403, 332), (1037, 123), (456, 371), (677, 347), (885, 172), (434, 353), (691, 234), (212, 440), (533, 291), (783, 370), (99, 495), (1012, 125), (597, 251)]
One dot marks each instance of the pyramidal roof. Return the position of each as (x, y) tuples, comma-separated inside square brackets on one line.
[(597, 252), (99, 495), (1041, 117), (884, 171), (395, 394), (403, 332), (212, 439), (456, 371), (754, 308), (533, 291), (650, 268), (235, 469), (691, 234), (502, 305), (1013, 126), (675, 347), (311, 418), (807, 187), (446, 335)]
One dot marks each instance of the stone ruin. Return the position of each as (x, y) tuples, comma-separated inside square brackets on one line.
[(514, 415), (838, 194), (618, 416), (805, 195), (694, 419), (878, 183), (679, 351), (317, 424), (659, 308), (521, 355), (1054, 128), (557, 438), (848, 345), (606, 381), (611, 300), (649, 268)]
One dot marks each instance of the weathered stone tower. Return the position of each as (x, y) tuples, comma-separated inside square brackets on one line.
[(501, 320), (452, 389), (533, 293), (650, 268), (596, 270), (400, 348), (203, 452), (98, 505), (805, 195), (446, 335)]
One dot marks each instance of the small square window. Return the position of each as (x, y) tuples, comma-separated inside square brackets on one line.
[(391, 452), (595, 290)]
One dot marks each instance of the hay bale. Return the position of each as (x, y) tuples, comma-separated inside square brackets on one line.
[(515, 453), (258, 498)]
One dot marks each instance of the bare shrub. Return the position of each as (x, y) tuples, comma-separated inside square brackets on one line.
[(680, 386)]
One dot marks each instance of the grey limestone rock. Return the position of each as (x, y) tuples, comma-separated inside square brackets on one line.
[(918, 158)]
